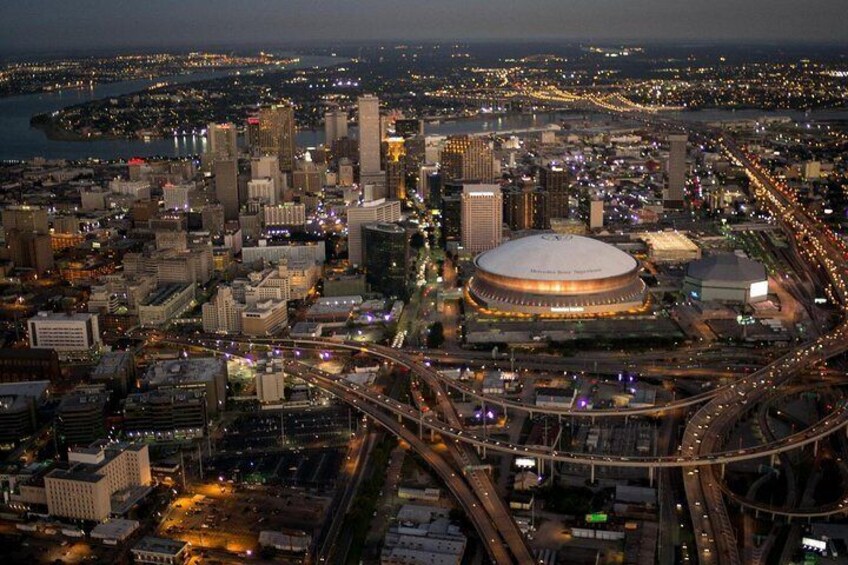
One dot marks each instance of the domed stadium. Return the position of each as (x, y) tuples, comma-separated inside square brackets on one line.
[(565, 275)]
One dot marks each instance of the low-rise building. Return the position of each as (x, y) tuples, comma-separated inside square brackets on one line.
[(65, 333), (206, 374), (84, 491), (267, 317), (164, 304), (166, 414), (160, 551)]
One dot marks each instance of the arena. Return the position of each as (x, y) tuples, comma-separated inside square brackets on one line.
[(556, 275)]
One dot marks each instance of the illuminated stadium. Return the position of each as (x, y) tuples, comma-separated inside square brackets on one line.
[(556, 275)]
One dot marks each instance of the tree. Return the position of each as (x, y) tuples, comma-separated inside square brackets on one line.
[(417, 240), (436, 335)]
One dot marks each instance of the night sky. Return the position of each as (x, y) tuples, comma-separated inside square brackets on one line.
[(54, 25)]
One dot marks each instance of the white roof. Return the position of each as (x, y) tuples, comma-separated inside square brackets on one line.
[(552, 257)]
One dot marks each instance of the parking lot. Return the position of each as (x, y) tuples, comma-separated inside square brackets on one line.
[(307, 427), (219, 516), (308, 468)]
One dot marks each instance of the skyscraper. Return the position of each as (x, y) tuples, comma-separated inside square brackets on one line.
[(226, 186), (525, 208), (374, 211), (369, 134), (673, 197), (395, 168), (554, 180), (335, 126), (406, 128), (482, 217), (468, 158), (277, 133), (385, 257), (222, 141), (28, 237), (25, 218)]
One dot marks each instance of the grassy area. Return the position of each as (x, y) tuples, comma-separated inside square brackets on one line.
[(358, 520)]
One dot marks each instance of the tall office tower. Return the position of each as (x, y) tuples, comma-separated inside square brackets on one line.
[(385, 257), (268, 167), (482, 217), (277, 133), (345, 177), (673, 197), (424, 183), (251, 135), (555, 181), (525, 208), (374, 211), (407, 128), (28, 238), (222, 313), (222, 141), (467, 158), (596, 214), (25, 219), (226, 186), (395, 168), (369, 134), (396, 180), (335, 126)]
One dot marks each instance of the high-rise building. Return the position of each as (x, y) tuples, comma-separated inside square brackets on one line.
[(28, 237), (251, 134), (385, 257), (222, 141), (30, 250), (369, 134), (525, 208), (451, 209), (482, 217), (25, 219), (226, 187), (335, 126), (673, 197), (277, 133), (407, 127), (222, 313), (555, 181), (395, 168), (468, 158), (374, 211)]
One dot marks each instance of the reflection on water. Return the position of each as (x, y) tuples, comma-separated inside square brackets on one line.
[(19, 141)]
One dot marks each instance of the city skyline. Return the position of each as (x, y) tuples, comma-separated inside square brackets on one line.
[(50, 25)]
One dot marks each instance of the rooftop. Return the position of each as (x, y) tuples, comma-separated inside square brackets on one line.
[(165, 546), (727, 267), (551, 257)]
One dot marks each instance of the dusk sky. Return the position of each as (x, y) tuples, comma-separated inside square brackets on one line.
[(48, 25)]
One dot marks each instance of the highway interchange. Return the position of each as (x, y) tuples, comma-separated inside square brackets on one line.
[(700, 453)]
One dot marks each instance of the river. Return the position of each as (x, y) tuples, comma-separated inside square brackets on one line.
[(18, 140)]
